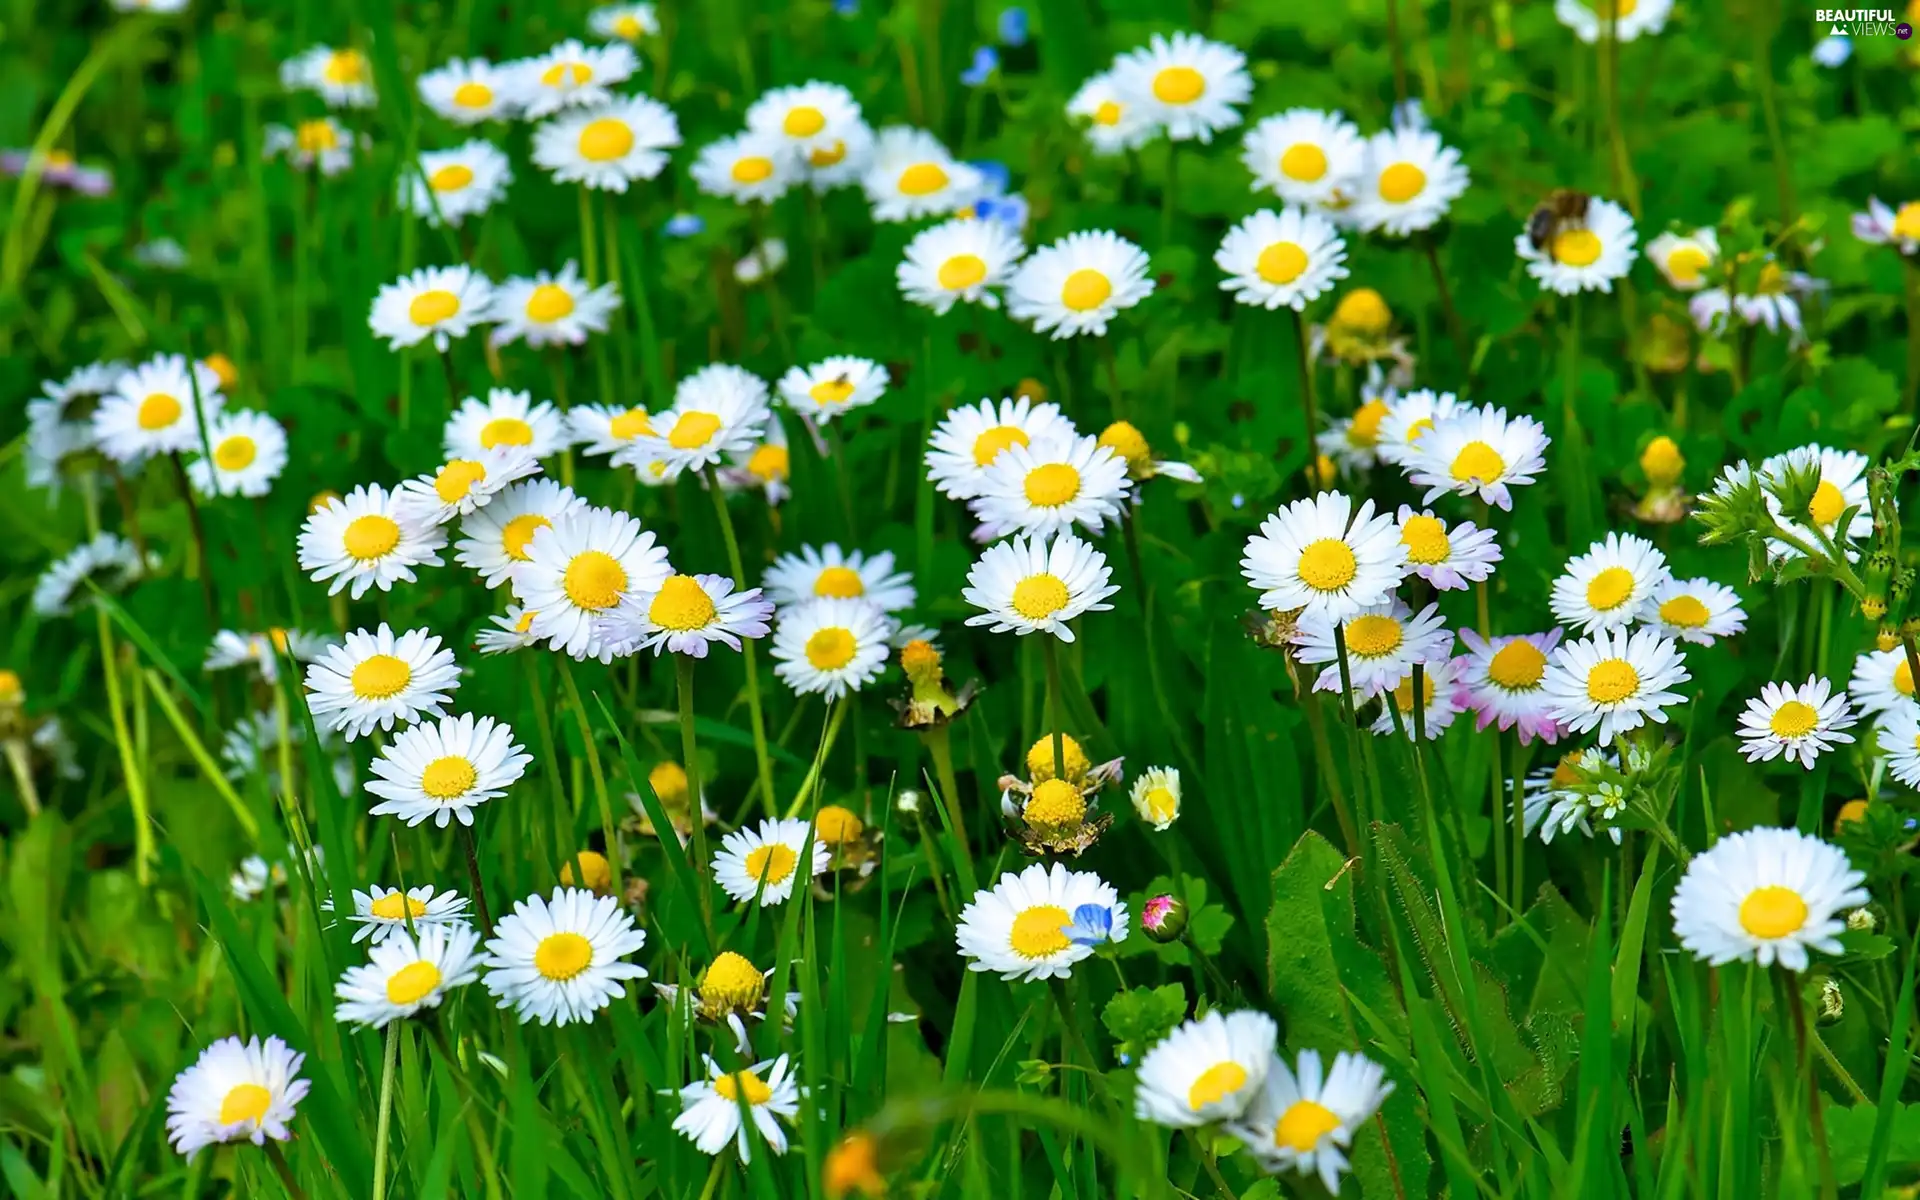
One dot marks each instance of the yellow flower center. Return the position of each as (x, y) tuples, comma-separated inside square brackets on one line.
[(629, 425), (1906, 222), (1684, 612), (397, 906), (1108, 113), (1686, 262), (743, 1082), (830, 391), (448, 778), (1040, 758), (731, 983), (962, 271), (628, 26), (1477, 462), (922, 179), (1085, 289), (1162, 805), (839, 581), (1304, 162), (1401, 182), (1179, 85), (594, 580), (380, 677), (1364, 311), (1611, 681), (754, 168), (1576, 247), (515, 535), (432, 307), (473, 95), (159, 410), (772, 863), (1055, 804), (1852, 810), (549, 302), (316, 137), (12, 692), (768, 463), (451, 178), (1052, 484), (1827, 505), (370, 537), (1614, 8), (456, 479), (830, 649), (803, 121), (921, 661), (1903, 679), (1662, 462), (836, 825), (1518, 666), (245, 1102), (345, 66), (1040, 931), (235, 453), (1403, 695), (1038, 597), (412, 983), (526, 621), (1281, 262), (826, 155), (1772, 912), (506, 431), (605, 140), (596, 874), (1373, 635), (1365, 428), (1419, 429), (1215, 1084), (557, 74), (988, 445), (1328, 565), (681, 604), (669, 782), (1129, 443), (693, 430), (1303, 1125), (1794, 719), (1426, 539), (1610, 589), (561, 956)]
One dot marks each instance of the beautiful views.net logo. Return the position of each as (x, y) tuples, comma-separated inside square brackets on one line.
[(1862, 22)]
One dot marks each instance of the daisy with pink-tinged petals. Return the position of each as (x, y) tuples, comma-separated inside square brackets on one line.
[(1503, 680)]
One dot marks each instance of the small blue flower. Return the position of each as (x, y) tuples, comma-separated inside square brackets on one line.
[(1013, 27), (994, 176), (1092, 925), (986, 60), (846, 8), (684, 225), (1833, 50), (1010, 211)]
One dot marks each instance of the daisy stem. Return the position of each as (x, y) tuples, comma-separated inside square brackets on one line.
[(1608, 52), (763, 765), (1912, 275), (940, 747), (1212, 1165), (1498, 815), (203, 565), (1169, 191), (1346, 702), (1455, 329), (836, 713), (1308, 408), (385, 1120), (593, 759), (128, 513), (471, 851), (1113, 377), (689, 746), (453, 383), (713, 1177), (589, 252), (1790, 997), (144, 850), (1053, 707), (776, 296), (278, 1158)]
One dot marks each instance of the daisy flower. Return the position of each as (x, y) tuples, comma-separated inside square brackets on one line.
[(1051, 486), (1883, 226), (1189, 86), (797, 578), (1684, 258), (812, 118), (1694, 610), (250, 749), (956, 261), (1610, 585), (468, 91), (405, 974), (1553, 807), (1766, 896), (710, 1109), (600, 429), (717, 410), (506, 419), (1773, 302), (1079, 283), (1324, 556), (1384, 641), (972, 437), (1018, 927), (374, 680), (447, 769), (1478, 452), (628, 22), (1882, 682), (1352, 442), (1801, 723), (366, 540), (1447, 558), (685, 614), (1286, 259), (262, 651), (343, 76), (1408, 180), (494, 538), (766, 466), (759, 864), (107, 561), (235, 1091), (512, 631), (1439, 701), (1583, 257), (1305, 1121), (380, 912), (578, 569), (1206, 1070), (833, 386), (1407, 421), (1631, 18), (1114, 123), (570, 75), (557, 961), (1615, 680), (746, 167), (1305, 156), (911, 175), (451, 185), (1899, 739), (552, 310), (1156, 797), (464, 485), (323, 140), (249, 450), (831, 645), (1503, 680), (151, 410), (66, 406), (608, 146), (442, 303), (1843, 485), (1037, 585)]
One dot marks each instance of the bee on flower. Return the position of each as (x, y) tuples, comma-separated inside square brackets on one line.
[(1570, 254)]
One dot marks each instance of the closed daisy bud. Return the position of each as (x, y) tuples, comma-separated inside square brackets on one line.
[(595, 873), (730, 986), (1164, 918), (1156, 796), (1662, 462)]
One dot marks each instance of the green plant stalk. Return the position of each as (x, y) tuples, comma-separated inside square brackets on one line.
[(1763, 33), (1455, 329), (1053, 707), (940, 748), (156, 687), (1608, 53), (203, 564), (468, 847), (1911, 276), (589, 249), (22, 769), (763, 764), (689, 746), (383, 1123), (1169, 194), (836, 714), (593, 762), (277, 1158), (1803, 1065), (145, 852), (1308, 408)]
